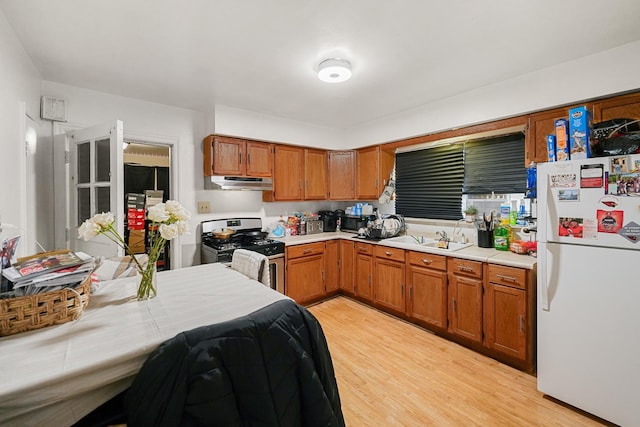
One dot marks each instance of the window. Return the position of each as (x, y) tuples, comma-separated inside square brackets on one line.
[(430, 183)]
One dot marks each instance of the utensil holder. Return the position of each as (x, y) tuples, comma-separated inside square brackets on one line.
[(485, 238)]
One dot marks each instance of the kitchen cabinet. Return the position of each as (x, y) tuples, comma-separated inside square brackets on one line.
[(373, 169), (347, 266), (229, 156), (389, 278), (288, 174), (331, 261), (465, 298), (315, 174), (539, 125), (509, 307), (427, 283), (625, 106), (364, 271), (342, 176), (305, 279)]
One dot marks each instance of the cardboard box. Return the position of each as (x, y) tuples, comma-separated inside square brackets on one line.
[(579, 133), (562, 139), (551, 148), (137, 241)]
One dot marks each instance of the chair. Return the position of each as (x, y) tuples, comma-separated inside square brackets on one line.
[(252, 265)]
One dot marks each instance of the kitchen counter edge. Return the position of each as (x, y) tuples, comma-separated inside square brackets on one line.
[(473, 253)]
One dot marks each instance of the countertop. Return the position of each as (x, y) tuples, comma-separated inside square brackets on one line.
[(473, 252)]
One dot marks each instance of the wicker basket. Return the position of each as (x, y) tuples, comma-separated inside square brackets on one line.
[(30, 312)]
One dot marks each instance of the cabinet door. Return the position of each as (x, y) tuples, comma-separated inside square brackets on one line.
[(315, 174), (305, 278), (227, 156), (505, 320), (331, 265), (347, 266), (259, 159), (367, 166), (427, 295), (540, 125), (288, 173), (626, 106), (364, 267), (465, 309), (388, 284), (342, 177)]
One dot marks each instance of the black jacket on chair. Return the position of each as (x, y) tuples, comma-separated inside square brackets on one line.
[(269, 368)]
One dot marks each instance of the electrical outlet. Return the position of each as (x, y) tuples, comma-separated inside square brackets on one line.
[(204, 207)]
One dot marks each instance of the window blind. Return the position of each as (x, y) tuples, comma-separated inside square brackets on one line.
[(495, 165), (429, 182)]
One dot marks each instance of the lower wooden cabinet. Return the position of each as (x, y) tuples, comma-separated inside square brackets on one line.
[(389, 278), (465, 298), (305, 272), (347, 266), (364, 271), (331, 261), (427, 283), (508, 313)]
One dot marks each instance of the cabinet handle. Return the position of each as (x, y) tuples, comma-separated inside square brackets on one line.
[(402, 288), (248, 159), (307, 251), (506, 278), (300, 184), (387, 253), (411, 293), (426, 261), (240, 158), (465, 268), (453, 300), (521, 318), (323, 275)]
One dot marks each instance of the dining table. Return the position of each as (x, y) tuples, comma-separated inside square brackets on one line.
[(58, 374)]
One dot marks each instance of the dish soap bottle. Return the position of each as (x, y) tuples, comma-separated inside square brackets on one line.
[(501, 236)]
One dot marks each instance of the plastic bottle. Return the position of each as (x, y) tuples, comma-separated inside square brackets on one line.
[(501, 236)]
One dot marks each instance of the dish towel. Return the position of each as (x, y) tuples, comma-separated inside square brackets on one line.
[(252, 265)]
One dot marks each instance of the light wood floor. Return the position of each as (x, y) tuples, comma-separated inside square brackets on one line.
[(393, 373)]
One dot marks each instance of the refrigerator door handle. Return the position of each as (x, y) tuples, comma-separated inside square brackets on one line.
[(543, 278)]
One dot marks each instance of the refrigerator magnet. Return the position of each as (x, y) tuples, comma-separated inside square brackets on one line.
[(609, 221), (592, 176)]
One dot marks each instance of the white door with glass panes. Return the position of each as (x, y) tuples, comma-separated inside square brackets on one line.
[(96, 176)]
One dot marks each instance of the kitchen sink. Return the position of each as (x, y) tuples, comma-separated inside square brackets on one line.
[(453, 246), (411, 240)]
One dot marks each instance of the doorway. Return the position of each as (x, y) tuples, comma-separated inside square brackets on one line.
[(147, 177)]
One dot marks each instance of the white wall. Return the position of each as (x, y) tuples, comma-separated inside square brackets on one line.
[(87, 107), (19, 83), (609, 72), (248, 124)]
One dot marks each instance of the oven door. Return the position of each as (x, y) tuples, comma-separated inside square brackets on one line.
[(276, 272)]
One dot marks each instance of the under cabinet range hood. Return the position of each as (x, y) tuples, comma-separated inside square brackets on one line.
[(237, 183)]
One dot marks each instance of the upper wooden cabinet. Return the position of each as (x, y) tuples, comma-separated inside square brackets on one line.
[(315, 174), (228, 156), (288, 174), (540, 125), (373, 169), (625, 106), (342, 176)]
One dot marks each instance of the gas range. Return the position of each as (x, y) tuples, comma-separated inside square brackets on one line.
[(247, 234)]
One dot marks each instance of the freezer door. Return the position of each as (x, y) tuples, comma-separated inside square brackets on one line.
[(577, 204), (588, 346)]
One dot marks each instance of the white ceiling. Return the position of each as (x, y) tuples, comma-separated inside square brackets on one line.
[(262, 55)]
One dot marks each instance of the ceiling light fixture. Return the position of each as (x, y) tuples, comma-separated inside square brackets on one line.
[(334, 70)]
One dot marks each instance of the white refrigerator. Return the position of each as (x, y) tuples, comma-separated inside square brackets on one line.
[(588, 299)]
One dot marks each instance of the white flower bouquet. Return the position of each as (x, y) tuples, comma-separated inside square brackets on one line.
[(168, 220)]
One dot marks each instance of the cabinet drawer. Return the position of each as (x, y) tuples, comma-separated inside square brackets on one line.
[(364, 248), (507, 276), (389, 253), (464, 266), (438, 262), (298, 251)]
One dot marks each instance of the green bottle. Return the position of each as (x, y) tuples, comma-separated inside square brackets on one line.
[(501, 236)]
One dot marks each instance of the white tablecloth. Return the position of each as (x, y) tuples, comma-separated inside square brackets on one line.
[(56, 375)]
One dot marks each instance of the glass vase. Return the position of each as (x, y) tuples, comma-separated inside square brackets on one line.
[(148, 282)]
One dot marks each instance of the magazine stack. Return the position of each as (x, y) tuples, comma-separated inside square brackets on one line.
[(46, 272)]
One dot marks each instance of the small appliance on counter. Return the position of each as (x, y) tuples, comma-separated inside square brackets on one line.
[(353, 223), (328, 219)]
